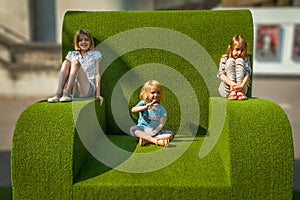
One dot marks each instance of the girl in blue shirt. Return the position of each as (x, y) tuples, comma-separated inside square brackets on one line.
[(152, 116)]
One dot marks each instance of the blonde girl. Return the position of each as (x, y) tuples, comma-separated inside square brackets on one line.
[(79, 75), (152, 116), (234, 70)]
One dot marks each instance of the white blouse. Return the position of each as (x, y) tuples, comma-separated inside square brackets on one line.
[(87, 62)]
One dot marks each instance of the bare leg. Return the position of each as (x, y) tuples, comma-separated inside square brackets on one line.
[(63, 77), (83, 84), (146, 136), (75, 65), (164, 136), (163, 141)]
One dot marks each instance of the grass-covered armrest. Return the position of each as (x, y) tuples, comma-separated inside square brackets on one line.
[(260, 148), (47, 152), (252, 158), (222, 150)]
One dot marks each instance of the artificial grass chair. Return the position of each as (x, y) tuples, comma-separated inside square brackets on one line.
[(222, 150)]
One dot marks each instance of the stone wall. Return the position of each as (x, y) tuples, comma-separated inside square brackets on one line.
[(28, 69)]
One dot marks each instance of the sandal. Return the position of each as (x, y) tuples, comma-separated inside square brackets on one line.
[(165, 142), (232, 95), (241, 96), (66, 98)]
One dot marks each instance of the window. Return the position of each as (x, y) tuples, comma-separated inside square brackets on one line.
[(43, 23), (296, 44), (268, 43)]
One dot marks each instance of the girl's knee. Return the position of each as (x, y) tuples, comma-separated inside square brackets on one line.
[(66, 65), (75, 63), (231, 62), (169, 133), (239, 61)]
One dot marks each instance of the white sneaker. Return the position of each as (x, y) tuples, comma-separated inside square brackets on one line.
[(65, 99), (53, 99)]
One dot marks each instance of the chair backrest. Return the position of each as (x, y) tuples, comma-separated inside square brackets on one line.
[(181, 49)]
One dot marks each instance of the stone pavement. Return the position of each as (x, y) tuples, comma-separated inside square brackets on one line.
[(281, 90), (10, 108)]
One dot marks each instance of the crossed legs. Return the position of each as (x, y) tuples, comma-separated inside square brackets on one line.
[(161, 140)]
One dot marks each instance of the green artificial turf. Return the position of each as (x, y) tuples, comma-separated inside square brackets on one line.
[(245, 164), (261, 135), (222, 150), (47, 152), (181, 179), (211, 30), (239, 166)]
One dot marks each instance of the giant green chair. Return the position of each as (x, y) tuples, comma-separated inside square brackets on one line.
[(222, 150)]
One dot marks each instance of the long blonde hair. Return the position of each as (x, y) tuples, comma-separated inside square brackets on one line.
[(144, 94), (241, 42), (84, 32)]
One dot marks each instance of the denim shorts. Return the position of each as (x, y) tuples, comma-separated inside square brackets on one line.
[(142, 128), (90, 94)]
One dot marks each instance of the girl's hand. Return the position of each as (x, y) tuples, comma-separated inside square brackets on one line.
[(101, 99), (233, 85), (149, 105), (238, 87)]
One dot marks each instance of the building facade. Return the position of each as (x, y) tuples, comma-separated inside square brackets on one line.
[(30, 36), (41, 21)]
